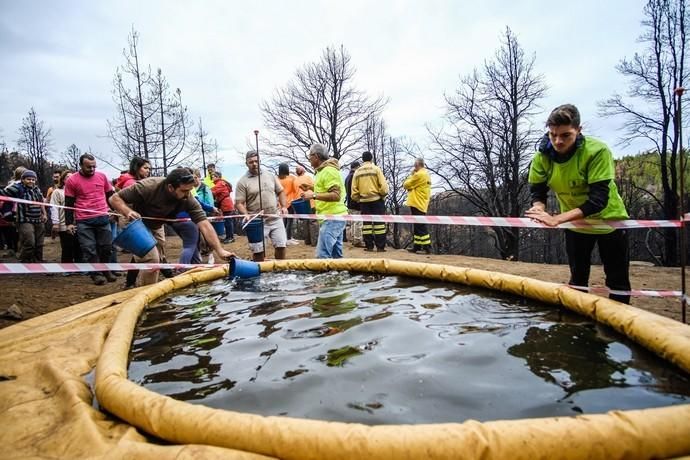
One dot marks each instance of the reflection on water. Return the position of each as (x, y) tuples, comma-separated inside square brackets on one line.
[(374, 349), (570, 356)]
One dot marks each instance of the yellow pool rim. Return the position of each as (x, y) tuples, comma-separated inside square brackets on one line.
[(649, 433)]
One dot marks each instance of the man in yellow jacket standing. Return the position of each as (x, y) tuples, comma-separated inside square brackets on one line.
[(418, 187), (369, 188)]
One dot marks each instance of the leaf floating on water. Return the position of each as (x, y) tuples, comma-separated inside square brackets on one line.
[(431, 306), (468, 328), (200, 372), (344, 325), (321, 331), (199, 342), (333, 305), (295, 373), (338, 356), (379, 315), (358, 406), (383, 300)]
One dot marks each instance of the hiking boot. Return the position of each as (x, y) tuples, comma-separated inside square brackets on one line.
[(427, 249), (167, 272), (98, 280), (412, 250), (110, 277)]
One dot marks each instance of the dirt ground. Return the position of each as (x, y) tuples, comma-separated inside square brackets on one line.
[(33, 295)]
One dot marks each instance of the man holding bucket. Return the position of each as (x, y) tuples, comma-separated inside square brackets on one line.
[(164, 198), (252, 196), (329, 195)]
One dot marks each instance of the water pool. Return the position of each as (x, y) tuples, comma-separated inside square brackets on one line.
[(384, 349)]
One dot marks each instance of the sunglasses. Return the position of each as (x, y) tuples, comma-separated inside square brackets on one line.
[(187, 179), (182, 180)]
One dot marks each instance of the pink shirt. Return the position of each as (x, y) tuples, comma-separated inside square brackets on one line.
[(89, 193)]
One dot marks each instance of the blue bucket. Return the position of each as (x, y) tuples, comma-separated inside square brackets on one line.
[(301, 206), (240, 268), (219, 227), (255, 231), (136, 238)]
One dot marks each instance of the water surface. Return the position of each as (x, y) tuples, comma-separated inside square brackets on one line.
[(383, 349)]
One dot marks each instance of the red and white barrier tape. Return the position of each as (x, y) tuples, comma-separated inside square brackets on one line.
[(481, 221), (43, 268), (109, 213), (46, 268), (484, 221)]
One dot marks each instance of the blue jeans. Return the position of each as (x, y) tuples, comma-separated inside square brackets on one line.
[(114, 232), (189, 233), (229, 224), (330, 245)]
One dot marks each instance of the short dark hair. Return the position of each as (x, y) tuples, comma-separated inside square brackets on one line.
[(367, 156), (564, 115), (251, 153), (135, 163), (354, 164), (85, 156), (210, 165), (179, 176), (283, 169)]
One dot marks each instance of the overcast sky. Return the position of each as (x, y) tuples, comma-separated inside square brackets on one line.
[(228, 56)]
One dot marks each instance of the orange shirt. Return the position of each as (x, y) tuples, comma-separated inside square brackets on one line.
[(290, 189), (304, 180)]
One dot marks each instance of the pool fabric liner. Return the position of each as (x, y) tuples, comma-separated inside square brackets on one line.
[(47, 407)]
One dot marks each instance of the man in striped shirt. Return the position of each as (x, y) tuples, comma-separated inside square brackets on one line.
[(30, 217)]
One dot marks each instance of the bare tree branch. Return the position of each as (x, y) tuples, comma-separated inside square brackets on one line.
[(320, 105), (482, 153), (651, 109)]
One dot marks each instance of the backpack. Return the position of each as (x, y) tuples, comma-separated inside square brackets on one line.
[(9, 208)]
